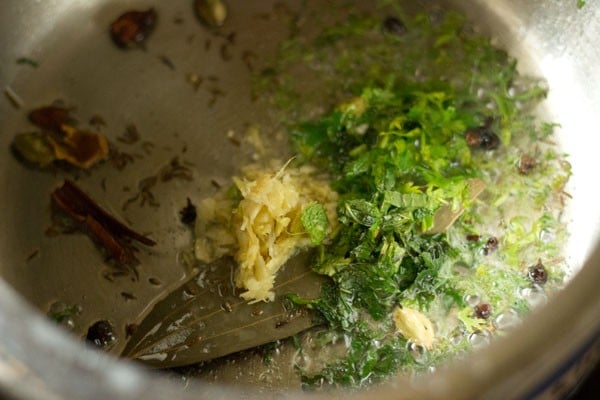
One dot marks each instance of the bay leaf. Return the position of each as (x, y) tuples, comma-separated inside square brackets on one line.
[(205, 318)]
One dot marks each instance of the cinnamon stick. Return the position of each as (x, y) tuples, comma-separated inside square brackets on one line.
[(109, 232)]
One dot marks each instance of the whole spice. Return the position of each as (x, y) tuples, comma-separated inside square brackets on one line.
[(34, 148), (131, 135), (111, 234), (195, 80), (188, 213), (211, 12), (537, 273), (483, 310), (51, 118), (167, 62), (414, 326), (394, 26), (101, 334), (79, 148), (60, 139), (132, 28), (482, 137), (176, 170), (490, 245), (14, 99), (144, 193), (526, 164)]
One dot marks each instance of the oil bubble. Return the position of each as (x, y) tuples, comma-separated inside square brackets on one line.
[(507, 320), (472, 300), (534, 296), (418, 353), (480, 339)]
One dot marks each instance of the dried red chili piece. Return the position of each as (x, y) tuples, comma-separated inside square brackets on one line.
[(133, 27)]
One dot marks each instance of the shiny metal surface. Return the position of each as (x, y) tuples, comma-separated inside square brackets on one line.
[(79, 65)]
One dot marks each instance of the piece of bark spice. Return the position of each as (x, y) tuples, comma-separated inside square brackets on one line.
[(131, 135), (110, 233)]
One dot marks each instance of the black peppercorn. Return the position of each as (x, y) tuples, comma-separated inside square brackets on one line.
[(537, 273), (490, 245), (101, 334), (394, 26), (483, 310), (526, 164), (482, 137)]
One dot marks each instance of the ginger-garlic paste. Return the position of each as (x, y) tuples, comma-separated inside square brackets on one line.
[(261, 229)]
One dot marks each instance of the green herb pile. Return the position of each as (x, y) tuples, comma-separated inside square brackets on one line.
[(420, 106)]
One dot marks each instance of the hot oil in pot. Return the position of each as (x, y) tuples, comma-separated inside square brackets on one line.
[(325, 61)]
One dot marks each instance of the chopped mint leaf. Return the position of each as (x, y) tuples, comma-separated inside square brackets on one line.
[(314, 220)]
